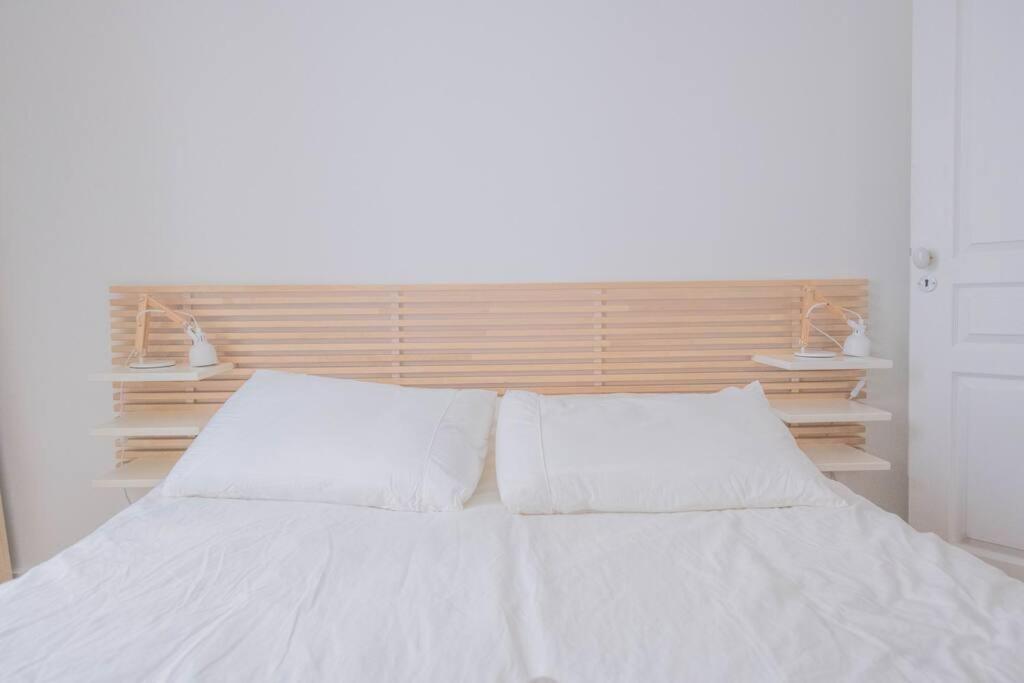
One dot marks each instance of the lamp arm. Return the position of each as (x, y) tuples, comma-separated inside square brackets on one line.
[(813, 300), (173, 315), (146, 305)]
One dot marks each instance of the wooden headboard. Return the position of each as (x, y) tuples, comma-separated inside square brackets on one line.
[(552, 338)]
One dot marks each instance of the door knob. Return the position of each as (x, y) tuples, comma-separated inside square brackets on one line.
[(922, 257)]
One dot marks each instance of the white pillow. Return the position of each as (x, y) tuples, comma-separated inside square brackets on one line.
[(285, 436), (650, 453)]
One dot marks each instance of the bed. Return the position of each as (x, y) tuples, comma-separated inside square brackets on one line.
[(204, 589), (214, 583)]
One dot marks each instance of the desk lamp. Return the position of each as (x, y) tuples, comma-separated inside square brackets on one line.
[(856, 344), (201, 354)]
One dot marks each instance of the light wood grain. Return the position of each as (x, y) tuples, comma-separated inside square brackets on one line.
[(787, 361), (840, 457), (143, 474), (182, 372), (177, 421), (554, 338), (817, 410), (6, 571)]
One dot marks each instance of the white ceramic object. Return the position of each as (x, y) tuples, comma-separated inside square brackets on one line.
[(202, 354), (857, 344)]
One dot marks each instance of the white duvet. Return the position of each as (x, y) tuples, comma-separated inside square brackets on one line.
[(226, 590)]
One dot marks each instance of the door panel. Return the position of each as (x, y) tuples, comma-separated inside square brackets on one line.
[(989, 314), (987, 437), (991, 175)]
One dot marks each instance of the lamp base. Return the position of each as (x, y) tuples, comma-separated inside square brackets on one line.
[(151, 363), (814, 353)]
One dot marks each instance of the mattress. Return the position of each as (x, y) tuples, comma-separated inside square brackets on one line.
[(227, 590)]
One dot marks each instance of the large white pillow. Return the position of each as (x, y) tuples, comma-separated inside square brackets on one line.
[(285, 436), (650, 453)]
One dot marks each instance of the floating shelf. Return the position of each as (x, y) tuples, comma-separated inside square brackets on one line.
[(787, 361), (821, 410), (827, 457), (177, 373), (179, 421), (839, 457), (137, 474)]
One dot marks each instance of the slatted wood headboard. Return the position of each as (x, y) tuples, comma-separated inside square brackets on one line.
[(551, 338)]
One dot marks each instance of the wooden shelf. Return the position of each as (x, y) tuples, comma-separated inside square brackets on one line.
[(177, 373), (821, 410), (179, 421), (839, 457), (137, 474), (827, 457), (787, 361)]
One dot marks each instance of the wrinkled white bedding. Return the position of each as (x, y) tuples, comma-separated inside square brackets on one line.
[(228, 590)]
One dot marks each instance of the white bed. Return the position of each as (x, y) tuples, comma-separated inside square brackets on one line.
[(207, 589)]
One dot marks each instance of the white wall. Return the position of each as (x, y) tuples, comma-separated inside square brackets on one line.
[(400, 141)]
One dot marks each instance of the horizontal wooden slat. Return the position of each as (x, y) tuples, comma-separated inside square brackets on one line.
[(683, 332), (560, 385), (517, 355), (457, 286), (480, 321)]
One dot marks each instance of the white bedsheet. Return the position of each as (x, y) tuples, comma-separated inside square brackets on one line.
[(225, 590)]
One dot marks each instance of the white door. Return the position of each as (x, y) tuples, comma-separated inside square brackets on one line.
[(967, 335)]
